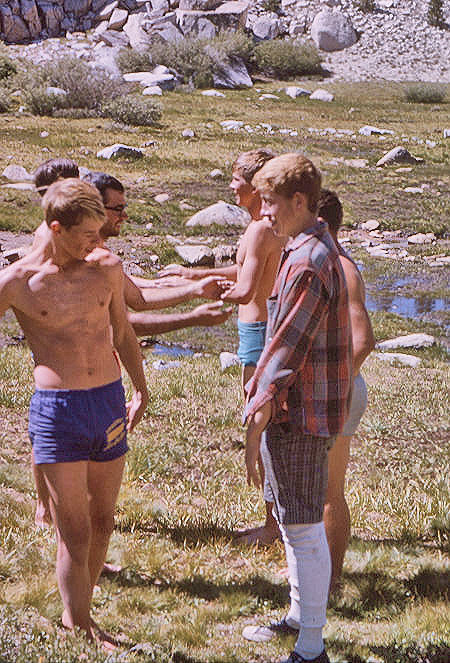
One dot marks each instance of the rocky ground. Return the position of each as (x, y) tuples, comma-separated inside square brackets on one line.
[(396, 42)]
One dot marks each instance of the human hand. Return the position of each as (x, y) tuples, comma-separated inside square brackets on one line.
[(211, 314), (211, 287), (176, 270), (136, 408)]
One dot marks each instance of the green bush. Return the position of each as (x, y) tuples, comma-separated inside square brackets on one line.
[(287, 59), (365, 6), (233, 44), (5, 100), (129, 60), (87, 87), (425, 93), (137, 111), (7, 67), (188, 58), (436, 13)]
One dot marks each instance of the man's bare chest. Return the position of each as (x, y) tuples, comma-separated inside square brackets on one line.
[(64, 299)]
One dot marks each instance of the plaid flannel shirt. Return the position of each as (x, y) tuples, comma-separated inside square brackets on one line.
[(305, 369)]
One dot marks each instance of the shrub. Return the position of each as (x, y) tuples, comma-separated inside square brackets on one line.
[(5, 100), (133, 110), (287, 58), (425, 93), (366, 6), (87, 87), (188, 58), (7, 67), (436, 13), (233, 44), (129, 60)]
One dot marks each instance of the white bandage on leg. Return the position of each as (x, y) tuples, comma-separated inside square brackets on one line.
[(308, 559)]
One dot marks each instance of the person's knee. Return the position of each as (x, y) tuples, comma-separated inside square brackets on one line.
[(76, 536), (102, 525)]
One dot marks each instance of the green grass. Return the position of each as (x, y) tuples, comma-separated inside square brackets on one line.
[(187, 589)]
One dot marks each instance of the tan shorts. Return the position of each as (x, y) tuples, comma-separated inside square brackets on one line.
[(357, 406)]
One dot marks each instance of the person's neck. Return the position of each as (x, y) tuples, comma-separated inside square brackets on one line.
[(254, 209), (303, 223)]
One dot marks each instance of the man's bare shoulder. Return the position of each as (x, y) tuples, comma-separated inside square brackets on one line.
[(261, 233), (355, 284)]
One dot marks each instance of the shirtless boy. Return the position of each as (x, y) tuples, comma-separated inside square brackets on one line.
[(299, 394), (67, 309), (254, 274), (336, 511)]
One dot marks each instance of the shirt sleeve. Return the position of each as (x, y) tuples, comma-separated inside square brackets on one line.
[(304, 303)]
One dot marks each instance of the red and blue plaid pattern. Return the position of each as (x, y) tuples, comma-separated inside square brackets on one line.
[(305, 369)]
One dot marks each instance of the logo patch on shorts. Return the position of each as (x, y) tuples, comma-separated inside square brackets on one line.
[(115, 433)]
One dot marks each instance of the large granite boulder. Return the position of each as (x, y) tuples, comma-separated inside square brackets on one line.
[(221, 214), (333, 31)]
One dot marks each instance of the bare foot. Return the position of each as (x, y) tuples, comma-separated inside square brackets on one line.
[(263, 536), (42, 516), (111, 569), (106, 640)]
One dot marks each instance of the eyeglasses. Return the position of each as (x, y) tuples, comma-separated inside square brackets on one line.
[(118, 209)]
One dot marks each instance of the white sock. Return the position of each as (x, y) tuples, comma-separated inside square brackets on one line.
[(308, 559)]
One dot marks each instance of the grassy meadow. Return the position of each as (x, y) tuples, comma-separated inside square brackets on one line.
[(187, 589)]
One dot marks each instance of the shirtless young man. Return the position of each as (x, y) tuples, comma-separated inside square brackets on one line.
[(67, 308), (254, 274), (336, 511)]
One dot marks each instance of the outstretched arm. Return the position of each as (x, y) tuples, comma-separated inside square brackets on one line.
[(204, 315), (229, 272), (146, 299), (127, 346)]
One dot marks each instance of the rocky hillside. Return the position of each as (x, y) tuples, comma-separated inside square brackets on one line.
[(393, 41)]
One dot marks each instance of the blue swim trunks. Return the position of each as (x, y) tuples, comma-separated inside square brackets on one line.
[(68, 425), (252, 337)]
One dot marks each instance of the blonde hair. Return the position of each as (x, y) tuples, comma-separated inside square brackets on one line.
[(288, 174), (248, 163), (70, 200)]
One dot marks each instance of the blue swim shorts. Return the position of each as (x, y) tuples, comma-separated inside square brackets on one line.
[(68, 425), (252, 337)]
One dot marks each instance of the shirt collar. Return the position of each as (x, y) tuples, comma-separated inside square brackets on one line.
[(316, 230)]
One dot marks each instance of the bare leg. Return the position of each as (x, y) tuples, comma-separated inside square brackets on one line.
[(67, 486), (269, 532), (336, 512), (104, 481), (42, 517)]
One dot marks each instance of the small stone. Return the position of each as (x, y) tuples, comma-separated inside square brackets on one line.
[(228, 359), (413, 189), (418, 340), (322, 95), (398, 357), (120, 150), (44, 134), (369, 131), (16, 173), (216, 173), (371, 224), (231, 125), (152, 90), (161, 198), (188, 133), (446, 133), (294, 92), (269, 96), (422, 238), (212, 93)]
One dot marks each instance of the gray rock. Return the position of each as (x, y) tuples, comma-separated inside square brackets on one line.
[(422, 238), (168, 32), (164, 79), (31, 16), (77, 7), (268, 96), (15, 173), (115, 38), (162, 365), (231, 125), (294, 92), (14, 27), (398, 154), (413, 189), (446, 133), (52, 15), (12, 255), (196, 255), (120, 150), (56, 91), (369, 131), (407, 341), (162, 198), (224, 253), (160, 5), (398, 358), (200, 5), (118, 19), (371, 224), (333, 31), (228, 359), (266, 27), (322, 95), (106, 12), (188, 133), (222, 214), (153, 90), (212, 93), (216, 173), (232, 75), (197, 25), (139, 39)]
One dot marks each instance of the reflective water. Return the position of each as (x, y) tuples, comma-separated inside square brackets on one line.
[(166, 350)]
